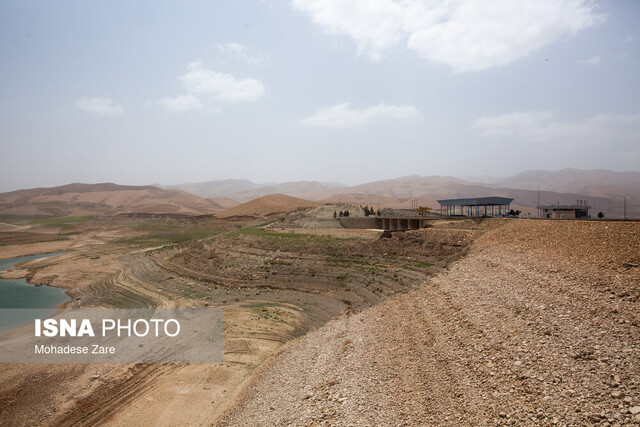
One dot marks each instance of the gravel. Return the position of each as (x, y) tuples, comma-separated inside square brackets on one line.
[(539, 324)]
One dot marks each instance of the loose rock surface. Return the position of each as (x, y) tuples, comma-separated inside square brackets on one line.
[(538, 325)]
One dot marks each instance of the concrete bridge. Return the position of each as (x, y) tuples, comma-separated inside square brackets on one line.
[(401, 223), (397, 223)]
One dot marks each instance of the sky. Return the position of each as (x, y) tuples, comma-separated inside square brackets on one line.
[(330, 90)]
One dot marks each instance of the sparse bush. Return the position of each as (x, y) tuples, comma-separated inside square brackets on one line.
[(600, 215)]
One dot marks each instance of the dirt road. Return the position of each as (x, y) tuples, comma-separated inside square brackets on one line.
[(539, 324), (272, 285)]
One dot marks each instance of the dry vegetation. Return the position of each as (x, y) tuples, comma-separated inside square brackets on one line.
[(538, 325), (273, 285), (466, 322)]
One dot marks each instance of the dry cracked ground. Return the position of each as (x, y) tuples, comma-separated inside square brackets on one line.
[(538, 325)]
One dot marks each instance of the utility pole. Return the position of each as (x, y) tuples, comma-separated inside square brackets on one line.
[(539, 203), (624, 206)]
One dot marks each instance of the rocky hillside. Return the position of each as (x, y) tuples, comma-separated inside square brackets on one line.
[(267, 205), (529, 329), (102, 199)]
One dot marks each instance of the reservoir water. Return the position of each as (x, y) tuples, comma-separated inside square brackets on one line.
[(18, 293)]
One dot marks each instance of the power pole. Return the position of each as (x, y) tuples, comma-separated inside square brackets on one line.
[(624, 206), (539, 203)]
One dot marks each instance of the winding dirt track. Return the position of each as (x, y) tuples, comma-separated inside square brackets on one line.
[(539, 324)]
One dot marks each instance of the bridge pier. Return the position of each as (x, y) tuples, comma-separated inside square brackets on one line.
[(402, 223)]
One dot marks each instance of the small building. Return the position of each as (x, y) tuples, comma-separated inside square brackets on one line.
[(478, 206), (579, 210)]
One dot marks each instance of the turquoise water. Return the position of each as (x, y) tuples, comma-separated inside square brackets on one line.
[(17, 293)]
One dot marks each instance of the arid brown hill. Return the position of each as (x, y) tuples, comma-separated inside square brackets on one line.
[(102, 199), (267, 205), (594, 182), (601, 188), (225, 202), (606, 197), (244, 190)]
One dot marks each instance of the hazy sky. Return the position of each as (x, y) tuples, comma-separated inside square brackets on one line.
[(140, 92)]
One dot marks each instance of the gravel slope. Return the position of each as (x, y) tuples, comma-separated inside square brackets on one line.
[(539, 324)]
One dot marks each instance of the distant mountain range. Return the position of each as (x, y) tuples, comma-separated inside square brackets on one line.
[(603, 190), (102, 199), (596, 182), (243, 190)]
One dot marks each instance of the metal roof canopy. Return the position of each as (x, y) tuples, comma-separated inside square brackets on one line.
[(478, 201)]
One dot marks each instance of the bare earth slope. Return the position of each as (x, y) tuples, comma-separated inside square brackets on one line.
[(539, 324), (267, 205), (243, 190), (575, 181), (102, 199), (396, 193), (225, 202)]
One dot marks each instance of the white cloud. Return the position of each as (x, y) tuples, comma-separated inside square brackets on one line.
[(236, 50), (467, 35), (199, 81), (103, 106), (375, 25), (594, 60), (342, 116), (202, 84), (180, 103), (540, 126)]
